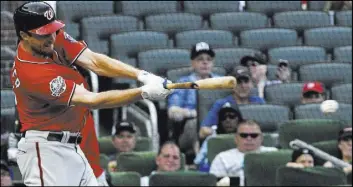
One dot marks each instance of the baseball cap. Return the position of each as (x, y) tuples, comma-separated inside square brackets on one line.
[(258, 57), (313, 87), (346, 132), (298, 152), (199, 48), (124, 126), (241, 71)]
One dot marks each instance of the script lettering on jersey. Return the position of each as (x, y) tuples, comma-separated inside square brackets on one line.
[(57, 86)]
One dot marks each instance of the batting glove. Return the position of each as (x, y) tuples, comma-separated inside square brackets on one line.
[(155, 91)]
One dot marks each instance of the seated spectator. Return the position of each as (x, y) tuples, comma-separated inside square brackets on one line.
[(258, 70), (248, 138), (313, 92), (124, 140), (345, 147), (168, 159), (240, 95), (229, 119), (302, 158), (6, 174)]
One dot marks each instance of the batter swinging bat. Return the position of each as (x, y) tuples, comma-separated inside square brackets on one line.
[(227, 82)]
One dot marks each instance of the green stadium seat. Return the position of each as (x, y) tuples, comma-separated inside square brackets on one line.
[(316, 176), (125, 178), (316, 5), (343, 18), (103, 161), (260, 168), (130, 43), (342, 93), (145, 8), (215, 38), (328, 37), (327, 73), (163, 60), (287, 93), (205, 8), (106, 146), (330, 147), (297, 55), (343, 54), (230, 57), (309, 130), (74, 11), (271, 7), (172, 23), (141, 162), (268, 116), (184, 178), (299, 21), (238, 21), (264, 39), (175, 74)]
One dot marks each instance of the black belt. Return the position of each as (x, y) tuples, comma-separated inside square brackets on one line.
[(58, 136)]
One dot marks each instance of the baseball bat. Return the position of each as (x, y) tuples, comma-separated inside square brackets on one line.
[(227, 82)]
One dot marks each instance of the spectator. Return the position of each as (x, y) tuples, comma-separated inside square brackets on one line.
[(124, 140), (338, 5), (240, 95), (258, 70), (229, 119), (248, 138), (168, 159), (6, 174), (345, 147), (313, 92), (302, 158)]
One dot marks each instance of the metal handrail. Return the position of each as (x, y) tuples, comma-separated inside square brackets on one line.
[(95, 88)]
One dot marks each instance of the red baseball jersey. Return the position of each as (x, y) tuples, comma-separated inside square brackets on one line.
[(43, 89)]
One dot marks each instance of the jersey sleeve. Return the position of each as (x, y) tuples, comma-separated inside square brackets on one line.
[(52, 88), (69, 48)]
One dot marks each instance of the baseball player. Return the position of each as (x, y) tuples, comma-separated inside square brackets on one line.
[(54, 101)]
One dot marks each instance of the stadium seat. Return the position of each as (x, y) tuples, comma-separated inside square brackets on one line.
[(125, 178), (230, 57), (238, 21), (271, 7), (289, 94), (297, 55), (205, 8), (343, 18), (206, 99), (120, 81), (343, 54), (268, 116), (103, 161), (7, 20), (97, 30), (172, 23), (260, 168), (106, 146), (264, 39), (342, 93), (183, 178), (224, 142), (328, 37), (141, 162), (7, 53), (316, 5), (301, 20), (145, 8), (163, 60), (74, 11), (8, 37), (216, 38), (175, 74), (316, 176), (8, 110), (130, 43), (73, 29), (309, 130), (328, 146), (11, 5), (327, 73)]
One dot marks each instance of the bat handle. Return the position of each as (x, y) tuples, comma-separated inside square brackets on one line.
[(165, 84)]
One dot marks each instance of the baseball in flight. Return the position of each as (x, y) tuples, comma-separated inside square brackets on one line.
[(329, 106)]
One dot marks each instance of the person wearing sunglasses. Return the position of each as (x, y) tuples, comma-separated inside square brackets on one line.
[(229, 118), (168, 159), (313, 92), (241, 94), (248, 138)]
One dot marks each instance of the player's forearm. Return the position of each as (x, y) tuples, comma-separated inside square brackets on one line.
[(115, 98)]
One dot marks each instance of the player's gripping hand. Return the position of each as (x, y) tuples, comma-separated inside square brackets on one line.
[(149, 78), (155, 91)]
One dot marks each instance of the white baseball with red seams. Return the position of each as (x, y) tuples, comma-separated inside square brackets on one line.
[(329, 106)]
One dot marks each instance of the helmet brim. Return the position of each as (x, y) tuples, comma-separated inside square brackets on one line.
[(48, 28)]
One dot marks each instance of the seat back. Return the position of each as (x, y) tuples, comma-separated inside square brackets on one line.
[(205, 8), (145, 8), (215, 38), (175, 74), (130, 178), (230, 57), (343, 54), (271, 7), (343, 18), (330, 147), (286, 93), (183, 178), (8, 111), (106, 146), (342, 93)]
